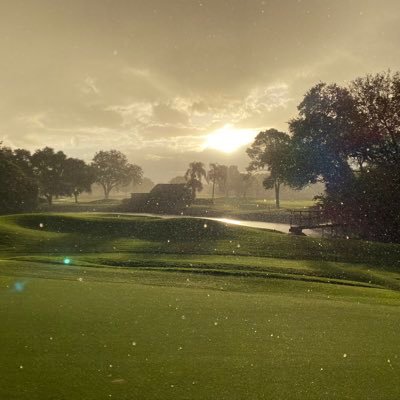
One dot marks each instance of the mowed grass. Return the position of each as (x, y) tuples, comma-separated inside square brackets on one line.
[(248, 209), (240, 208), (193, 309)]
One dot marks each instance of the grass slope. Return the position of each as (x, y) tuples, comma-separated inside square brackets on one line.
[(192, 309)]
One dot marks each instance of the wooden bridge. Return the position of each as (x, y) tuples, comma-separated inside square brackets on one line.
[(307, 219)]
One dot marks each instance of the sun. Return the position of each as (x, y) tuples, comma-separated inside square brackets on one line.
[(228, 138)]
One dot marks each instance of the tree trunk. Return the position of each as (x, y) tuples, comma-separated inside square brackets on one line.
[(49, 199), (277, 199), (193, 193), (76, 197), (213, 190), (106, 191)]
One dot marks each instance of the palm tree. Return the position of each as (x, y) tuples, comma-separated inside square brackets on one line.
[(194, 176)]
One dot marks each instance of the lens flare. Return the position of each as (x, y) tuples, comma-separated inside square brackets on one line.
[(19, 287)]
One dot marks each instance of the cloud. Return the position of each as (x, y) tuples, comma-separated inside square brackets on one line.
[(264, 99), (183, 117), (89, 86), (154, 78), (166, 114), (133, 113)]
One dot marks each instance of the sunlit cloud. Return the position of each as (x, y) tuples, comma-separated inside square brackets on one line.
[(229, 139), (155, 93), (264, 99)]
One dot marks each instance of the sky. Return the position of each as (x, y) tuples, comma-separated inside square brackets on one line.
[(168, 82)]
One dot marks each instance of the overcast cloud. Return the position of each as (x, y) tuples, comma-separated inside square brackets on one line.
[(154, 78)]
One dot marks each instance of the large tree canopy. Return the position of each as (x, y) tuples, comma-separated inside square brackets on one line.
[(271, 151), (112, 169), (49, 170), (349, 137), (18, 191), (377, 100), (322, 135), (341, 130)]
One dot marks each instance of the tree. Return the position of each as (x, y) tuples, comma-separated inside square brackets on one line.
[(236, 182), (49, 170), (377, 101), (246, 182), (194, 176), (18, 190), (368, 210), (112, 169), (78, 176), (23, 159), (217, 175), (222, 181), (270, 150), (212, 176), (233, 181), (144, 186), (323, 136), (349, 137)]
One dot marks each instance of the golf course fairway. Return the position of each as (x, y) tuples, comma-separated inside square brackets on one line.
[(100, 306)]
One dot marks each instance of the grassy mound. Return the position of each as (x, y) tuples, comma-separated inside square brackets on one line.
[(195, 246), (106, 225), (88, 233)]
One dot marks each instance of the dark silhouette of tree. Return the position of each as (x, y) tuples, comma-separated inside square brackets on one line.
[(112, 170), (78, 176), (23, 159), (377, 100), (322, 136), (49, 170), (194, 176), (18, 190), (270, 151), (349, 137), (369, 207)]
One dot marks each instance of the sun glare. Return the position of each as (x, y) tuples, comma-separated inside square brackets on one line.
[(228, 139)]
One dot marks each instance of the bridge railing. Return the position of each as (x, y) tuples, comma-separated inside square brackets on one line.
[(306, 218)]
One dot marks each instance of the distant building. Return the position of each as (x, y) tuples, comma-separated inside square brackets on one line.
[(163, 198)]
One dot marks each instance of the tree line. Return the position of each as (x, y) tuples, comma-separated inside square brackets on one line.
[(225, 178), (26, 178)]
